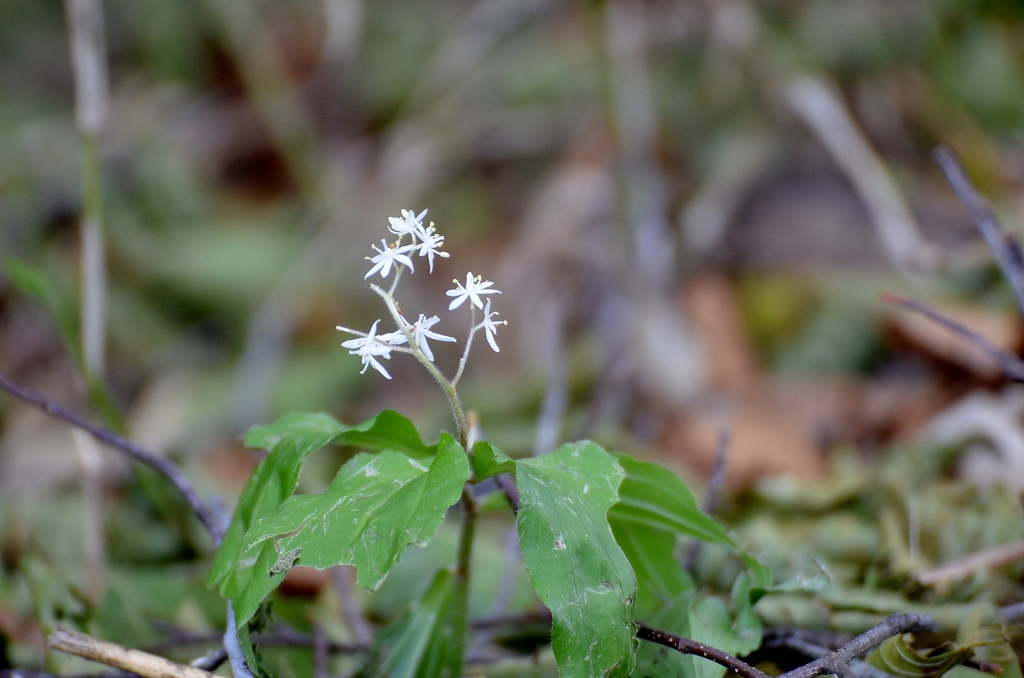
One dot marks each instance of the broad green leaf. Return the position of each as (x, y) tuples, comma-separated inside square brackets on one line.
[(376, 506), (289, 441), (655, 497), (489, 461), (705, 619), (573, 560), (418, 644), (651, 553)]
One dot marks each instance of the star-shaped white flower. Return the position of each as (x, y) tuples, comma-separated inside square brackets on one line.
[(369, 348), (410, 224), (491, 327), (430, 243), (420, 331), (472, 291), (390, 256)]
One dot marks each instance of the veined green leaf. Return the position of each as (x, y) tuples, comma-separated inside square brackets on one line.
[(573, 560), (289, 441), (651, 553), (654, 497), (376, 506), (489, 461), (418, 644)]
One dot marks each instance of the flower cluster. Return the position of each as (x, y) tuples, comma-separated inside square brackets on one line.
[(412, 337)]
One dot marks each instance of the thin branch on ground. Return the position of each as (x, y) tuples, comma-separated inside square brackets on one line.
[(111, 654), (1004, 245), (687, 646), (1011, 365), (836, 662), (711, 496), (239, 667), (159, 464), (965, 567)]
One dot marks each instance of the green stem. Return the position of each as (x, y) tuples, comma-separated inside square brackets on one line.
[(460, 594), (447, 386), (473, 327)]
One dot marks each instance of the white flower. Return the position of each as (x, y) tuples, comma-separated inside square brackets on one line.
[(387, 257), (369, 348), (430, 242), (490, 327), (472, 291), (410, 224), (420, 331)]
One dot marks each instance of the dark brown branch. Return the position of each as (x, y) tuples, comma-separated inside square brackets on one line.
[(687, 646), (1003, 245), (1011, 365), (159, 464), (837, 662)]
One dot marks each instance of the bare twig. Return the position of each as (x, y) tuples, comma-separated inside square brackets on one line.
[(321, 652), (1012, 613), (556, 396), (687, 646), (711, 496), (90, 463), (858, 668), (342, 576), (239, 667), (111, 654), (837, 662), (211, 660), (134, 450), (825, 112), (1011, 365), (965, 567), (1003, 245)]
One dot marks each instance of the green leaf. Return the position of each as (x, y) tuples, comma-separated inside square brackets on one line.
[(654, 497), (289, 441), (651, 553), (896, 656), (573, 560), (376, 506), (418, 644), (489, 461)]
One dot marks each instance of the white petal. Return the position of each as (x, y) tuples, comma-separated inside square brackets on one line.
[(490, 340)]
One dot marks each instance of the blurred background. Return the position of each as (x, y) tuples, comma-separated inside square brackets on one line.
[(690, 207)]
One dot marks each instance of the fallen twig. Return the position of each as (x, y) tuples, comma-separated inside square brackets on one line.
[(1003, 245), (159, 464), (836, 662), (687, 646), (102, 651), (965, 567), (1011, 365)]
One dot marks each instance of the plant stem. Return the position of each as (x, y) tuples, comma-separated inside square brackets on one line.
[(460, 594), (447, 386), (469, 342)]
